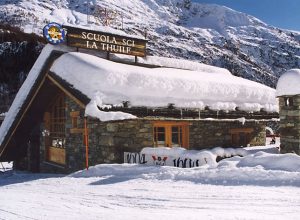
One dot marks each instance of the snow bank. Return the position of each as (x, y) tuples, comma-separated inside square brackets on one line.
[(271, 148), (224, 174), (114, 83), (180, 157), (260, 168), (285, 162), (288, 83)]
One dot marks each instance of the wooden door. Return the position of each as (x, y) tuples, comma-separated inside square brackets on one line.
[(55, 120)]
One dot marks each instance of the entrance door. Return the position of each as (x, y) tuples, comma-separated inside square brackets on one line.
[(241, 136), (55, 141)]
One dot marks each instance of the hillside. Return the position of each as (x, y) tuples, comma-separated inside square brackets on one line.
[(18, 52), (210, 34)]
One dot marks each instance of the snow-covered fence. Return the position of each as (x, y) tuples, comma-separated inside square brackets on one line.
[(165, 157), (180, 157), (138, 158)]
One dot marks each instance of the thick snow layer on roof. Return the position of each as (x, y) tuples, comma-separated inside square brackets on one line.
[(93, 111), (288, 83), (182, 64), (108, 82), (173, 63)]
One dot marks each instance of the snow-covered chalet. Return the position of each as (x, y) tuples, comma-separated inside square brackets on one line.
[(77, 109)]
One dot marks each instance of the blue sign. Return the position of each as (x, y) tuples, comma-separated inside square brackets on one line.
[(54, 33)]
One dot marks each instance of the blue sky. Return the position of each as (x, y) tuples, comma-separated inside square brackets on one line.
[(279, 13)]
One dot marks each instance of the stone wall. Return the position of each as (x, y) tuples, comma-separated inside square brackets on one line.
[(290, 126), (216, 133), (75, 148), (109, 140)]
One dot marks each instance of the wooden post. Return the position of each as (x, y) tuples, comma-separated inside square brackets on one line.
[(86, 144)]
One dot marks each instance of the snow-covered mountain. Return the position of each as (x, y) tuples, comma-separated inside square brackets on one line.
[(206, 33)]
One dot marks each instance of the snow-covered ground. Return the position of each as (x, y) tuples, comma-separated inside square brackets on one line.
[(250, 190), (130, 192)]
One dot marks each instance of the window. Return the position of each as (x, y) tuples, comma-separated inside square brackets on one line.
[(241, 136), (55, 120), (288, 101), (170, 134), (160, 136), (75, 119)]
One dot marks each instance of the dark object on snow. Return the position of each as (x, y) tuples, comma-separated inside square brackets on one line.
[(273, 141)]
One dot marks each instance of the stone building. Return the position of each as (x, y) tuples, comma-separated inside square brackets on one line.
[(288, 92), (77, 110)]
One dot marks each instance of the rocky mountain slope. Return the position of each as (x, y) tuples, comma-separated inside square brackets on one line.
[(210, 34), (18, 52)]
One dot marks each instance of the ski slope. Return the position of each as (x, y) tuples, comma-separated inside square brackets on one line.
[(234, 189)]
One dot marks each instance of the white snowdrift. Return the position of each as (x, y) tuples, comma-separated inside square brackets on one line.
[(258, 169), (183, 157), (288, 83), (286, 162), (113, 83)]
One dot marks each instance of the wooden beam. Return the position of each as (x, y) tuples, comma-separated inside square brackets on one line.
[(239, 130), (66, 91)]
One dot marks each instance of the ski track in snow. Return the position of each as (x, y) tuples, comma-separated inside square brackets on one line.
[(42, 196)]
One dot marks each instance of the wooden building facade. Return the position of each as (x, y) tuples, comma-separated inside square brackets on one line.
[(47, 129), (50, 132)]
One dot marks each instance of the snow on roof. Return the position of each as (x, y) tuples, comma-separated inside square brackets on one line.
[(107, 82), (182, 64), (172, 63), (288, 83)]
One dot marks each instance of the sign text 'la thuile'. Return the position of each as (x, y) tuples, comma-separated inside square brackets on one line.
[(105, 42)]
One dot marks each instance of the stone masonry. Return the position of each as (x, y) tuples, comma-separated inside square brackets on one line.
[(109, 140), (216, 133), (290, 125)]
